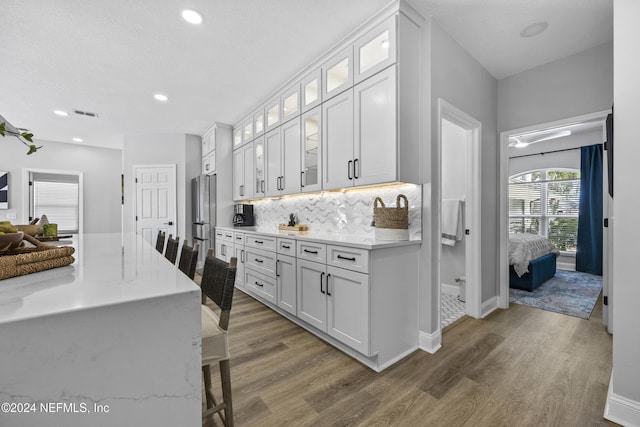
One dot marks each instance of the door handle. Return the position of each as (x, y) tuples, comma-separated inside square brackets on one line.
[(242, 256), (328, 293), (349, 169), (277, 264), (355, 168), (168, 223), (301, 175), (321, 277)]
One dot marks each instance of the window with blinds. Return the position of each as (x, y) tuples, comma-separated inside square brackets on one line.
[(546, 202), (58, 197)]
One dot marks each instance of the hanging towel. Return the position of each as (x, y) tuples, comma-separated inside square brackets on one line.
[(451, 221)]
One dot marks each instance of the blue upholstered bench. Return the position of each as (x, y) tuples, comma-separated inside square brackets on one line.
[(540, 270)]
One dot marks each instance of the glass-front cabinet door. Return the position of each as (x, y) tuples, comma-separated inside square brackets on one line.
[(247, 130), (290, 103), (310, 179), (237, 136), (310, 90), (337, 74), (258, 122), (375, 50), (258, 149), (273, 114)]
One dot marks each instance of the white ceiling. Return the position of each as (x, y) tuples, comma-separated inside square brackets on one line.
[(110, 57)]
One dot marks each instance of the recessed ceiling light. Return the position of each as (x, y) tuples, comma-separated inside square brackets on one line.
[(60, 113), (77, 139), (161, 97), (534, 29), (192, 17)]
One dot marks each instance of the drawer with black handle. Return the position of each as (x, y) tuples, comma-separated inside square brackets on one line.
[(316, 252), (260, 285), (348, 258), (286, 246), (260, 242), (261, 261)]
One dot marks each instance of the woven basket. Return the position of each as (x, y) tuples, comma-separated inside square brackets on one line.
[(25, 260), (396, 218)]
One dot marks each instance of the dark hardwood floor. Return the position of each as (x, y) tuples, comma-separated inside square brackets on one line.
[(517, 367)]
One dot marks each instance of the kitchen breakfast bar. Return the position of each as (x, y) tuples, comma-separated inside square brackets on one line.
[(113, 339)]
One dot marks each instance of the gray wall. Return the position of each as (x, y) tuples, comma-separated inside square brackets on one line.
[(459, 79), (576, 85), (101, 169), (162, 149), (625, 380)]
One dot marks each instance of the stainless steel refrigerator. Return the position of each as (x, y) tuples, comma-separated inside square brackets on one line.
[(203, 211)]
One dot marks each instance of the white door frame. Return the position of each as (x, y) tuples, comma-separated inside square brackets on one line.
[(473, 306), (135, 193), (503, 242), (26, 196)]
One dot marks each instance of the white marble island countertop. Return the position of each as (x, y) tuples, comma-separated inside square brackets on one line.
[(110, 269)]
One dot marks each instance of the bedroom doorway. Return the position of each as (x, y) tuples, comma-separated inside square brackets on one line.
[(555, 149), (459, 214)]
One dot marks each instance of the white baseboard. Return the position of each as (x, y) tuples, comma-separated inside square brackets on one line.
[(430, 342), (450, 289), (489, 306), (621, 410)]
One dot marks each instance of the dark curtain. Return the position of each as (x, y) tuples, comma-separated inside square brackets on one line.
[(589, 252)]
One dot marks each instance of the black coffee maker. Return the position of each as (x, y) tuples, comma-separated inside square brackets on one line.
[(242, 215)]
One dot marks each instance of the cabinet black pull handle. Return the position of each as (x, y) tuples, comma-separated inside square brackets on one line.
[(301, 175), (321, 277), (258, 260), (286, 246), (228, 235), (259, 284), (242, 190), (282, 182), (347, 258), (355, 168), (328, 293), (277, 264), (311, 252), (242, 256), (349, 169), (260, 242)]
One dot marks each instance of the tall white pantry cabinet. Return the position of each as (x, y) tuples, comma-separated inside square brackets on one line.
[(367, 89)]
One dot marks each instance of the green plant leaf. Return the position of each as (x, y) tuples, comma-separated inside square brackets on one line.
[(28, 136), (33, 149), (2, 128)]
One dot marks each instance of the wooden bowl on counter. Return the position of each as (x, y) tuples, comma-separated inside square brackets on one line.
[(10, 240)]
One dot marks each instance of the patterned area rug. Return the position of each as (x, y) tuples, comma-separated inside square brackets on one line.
[(568, 292)]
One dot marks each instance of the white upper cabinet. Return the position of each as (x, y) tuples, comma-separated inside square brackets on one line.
[(258, 122), (282, 146), (311, 90), (337, 142), (272, 113), (337, 73), (243, 173), (374, 138), (311, 155), (290, 103), (375, 51)]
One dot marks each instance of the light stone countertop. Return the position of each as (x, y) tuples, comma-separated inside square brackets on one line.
[(342, 239)]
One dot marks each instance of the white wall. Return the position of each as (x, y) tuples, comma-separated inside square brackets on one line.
[(162, 149), (573, 86), (460, 80), (101, 167), (624, 400)]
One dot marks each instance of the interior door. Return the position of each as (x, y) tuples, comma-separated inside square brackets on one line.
[(155, 201)]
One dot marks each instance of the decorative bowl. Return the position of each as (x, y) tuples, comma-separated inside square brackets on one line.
[(10, 240)]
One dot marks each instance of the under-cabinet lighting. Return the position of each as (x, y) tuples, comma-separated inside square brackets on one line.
[(160, 97), (60, 113), (77, 140)]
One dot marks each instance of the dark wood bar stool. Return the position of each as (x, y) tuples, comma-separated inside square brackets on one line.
[(171, 253), (188, 259), (218, 283), (160, 241)]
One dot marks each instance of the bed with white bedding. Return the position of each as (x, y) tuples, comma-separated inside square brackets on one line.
[(532, 260)]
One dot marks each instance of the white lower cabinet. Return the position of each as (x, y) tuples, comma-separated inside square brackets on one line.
[(238, 250), (224, 245), (286, 283), (260, 284), (336, 301)]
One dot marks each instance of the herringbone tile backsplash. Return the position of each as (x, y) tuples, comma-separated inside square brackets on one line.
[(349, 212)]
